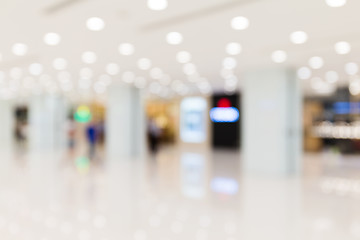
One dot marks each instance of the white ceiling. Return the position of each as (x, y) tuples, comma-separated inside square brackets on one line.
[(205, 25)]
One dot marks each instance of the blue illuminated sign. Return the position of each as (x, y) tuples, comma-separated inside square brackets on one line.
[(347, 107), (224, 115)]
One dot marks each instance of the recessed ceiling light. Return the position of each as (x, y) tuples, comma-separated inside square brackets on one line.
[(106, 79), (317, 83), (165, 80), (99, 87), (89, 57), (342, 48), (156, 73), (59, 64), (112, 69), (189, 69), (174, 38), (157, 5), (351, 68), (304, 73), (240, 23), (126, 49), (354, 87), (86, 73), (128, 77), (19, 49), (64, 76), (183, 57), (229, 63), (279, 56), (140, 82), (35, 69), (233, 48), (331, 76), (335, 3), (298, 37), (316, 62), (144, 63), (52, 39), (95, 24)]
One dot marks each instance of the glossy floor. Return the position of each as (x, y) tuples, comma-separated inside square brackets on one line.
[(176, 195)]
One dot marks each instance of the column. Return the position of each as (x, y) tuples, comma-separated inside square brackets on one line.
[(7, 122), (47, 124), (125, 123), (272, 119)]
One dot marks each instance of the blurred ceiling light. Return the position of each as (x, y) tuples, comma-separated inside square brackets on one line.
[(342, 48), (331, 76), (89, 57), (335, 3), (35, 69), (351, 68), (233, 48), (59, 64), (226, 73), (183, 57), (86, 73), (126, 49), (140, 82), (322, 87), (19, 49), (165, 80), (304, 73), (240, 23), (156, 73), (144, 63), (106, 79), (52, 39), (279, 56), (317, 83), (128, 77), (189, 69), (112, 69), (354, 87), (298, 37), (64, 77), (99, 87), (174, 38), (155, 88), (229, 63), (95, 24), (316, 62), (157, 5)]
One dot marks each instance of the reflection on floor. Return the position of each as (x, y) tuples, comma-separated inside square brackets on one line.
[(176, 195)]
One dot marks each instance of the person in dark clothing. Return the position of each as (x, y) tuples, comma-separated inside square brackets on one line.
[(154, 133), (91, 135)]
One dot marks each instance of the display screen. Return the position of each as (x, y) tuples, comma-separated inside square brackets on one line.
[(193, 120), (225, 116)]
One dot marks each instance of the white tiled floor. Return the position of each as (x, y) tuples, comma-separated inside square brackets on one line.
[(177, 195)]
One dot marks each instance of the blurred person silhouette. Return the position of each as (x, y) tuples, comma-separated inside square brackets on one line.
[(154, 133), (100, 129), (20, 134), (71, 132), (91, 135)]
